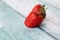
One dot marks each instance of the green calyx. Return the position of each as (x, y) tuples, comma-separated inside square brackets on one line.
[(42, 10)]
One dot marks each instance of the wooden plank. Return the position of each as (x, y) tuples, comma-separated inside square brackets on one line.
[(13, 28)]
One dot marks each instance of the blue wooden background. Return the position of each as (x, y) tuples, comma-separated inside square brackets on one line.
[(12, 25)]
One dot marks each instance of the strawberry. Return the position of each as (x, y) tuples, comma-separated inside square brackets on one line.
[(35, 17), (40, 9)]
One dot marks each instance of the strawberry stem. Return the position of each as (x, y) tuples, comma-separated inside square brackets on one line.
[(42, 9), (43, 6)]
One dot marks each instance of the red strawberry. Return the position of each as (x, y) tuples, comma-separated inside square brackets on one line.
[(33, 19), (40, 10)]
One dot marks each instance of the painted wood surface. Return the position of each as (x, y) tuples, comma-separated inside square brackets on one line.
[(12, 23)]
